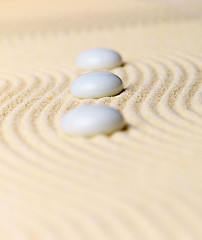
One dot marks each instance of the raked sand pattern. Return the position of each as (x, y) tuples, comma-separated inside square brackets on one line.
[(141, 183)]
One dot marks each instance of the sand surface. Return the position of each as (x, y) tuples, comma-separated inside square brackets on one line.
[(142, 183)]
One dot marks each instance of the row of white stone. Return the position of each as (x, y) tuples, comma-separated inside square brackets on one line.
[(95, 119)]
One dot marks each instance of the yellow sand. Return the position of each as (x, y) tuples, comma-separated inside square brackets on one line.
[(143, 183)]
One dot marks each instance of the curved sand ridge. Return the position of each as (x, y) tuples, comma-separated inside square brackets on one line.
[(140, 183)]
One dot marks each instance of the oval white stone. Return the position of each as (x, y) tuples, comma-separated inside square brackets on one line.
[(98, 58), (92, 120), (96, 85)]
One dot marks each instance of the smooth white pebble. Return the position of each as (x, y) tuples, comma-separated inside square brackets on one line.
[(98, 58), (91, 120), (96, 85)]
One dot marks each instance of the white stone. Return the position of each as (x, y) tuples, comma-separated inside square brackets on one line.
[(91, 120), (98, 58), (96, 85)]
